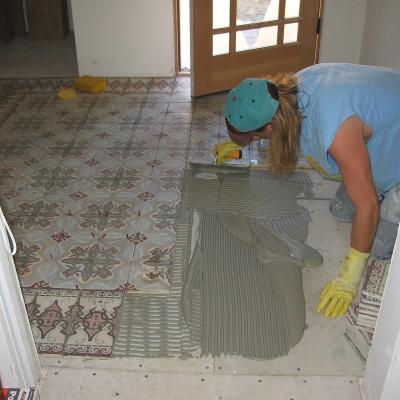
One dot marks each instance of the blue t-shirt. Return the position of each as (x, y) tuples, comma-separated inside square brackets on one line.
[(331, 93)]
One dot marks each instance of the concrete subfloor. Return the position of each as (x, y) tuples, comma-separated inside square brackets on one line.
[(25, 58), (322, 366)]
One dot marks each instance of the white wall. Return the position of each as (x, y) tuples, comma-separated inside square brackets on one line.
[(381, 44), (342, 30), (124, 37)]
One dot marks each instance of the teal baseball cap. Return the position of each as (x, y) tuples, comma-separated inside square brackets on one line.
[(251, 104)]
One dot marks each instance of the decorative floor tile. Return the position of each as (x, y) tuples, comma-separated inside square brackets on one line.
[(151, 133), (16, 147), (180, 107), (73, 321), (50, 107), (114, 177), (181, 97), (175, 138), (117, 113), (177, 131), (200, 141), (206, 117), (110, 217), (98, 208), (92, 188), (152, 193), (117, 85), (201, 131), (138, 85), (49, 85), (51, 177), (182, 84), (23, 118), (174, 162), (203, 155), (31, 127), (212, 102), (136, 145), (34, 215), (169, 178), (35, 253), (171, 158), (105, 100), (101, 135), (89, 262), (72, 148), (16, 191), (179, 118), (161, 85), (133, 150), (152, 260), (152, 98), (125, 174), (35, 103), (149, 115)]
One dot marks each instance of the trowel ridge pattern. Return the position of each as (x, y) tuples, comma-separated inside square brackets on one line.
[(154, 326)]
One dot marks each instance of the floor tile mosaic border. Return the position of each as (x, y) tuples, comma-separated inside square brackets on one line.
[(73, 321)]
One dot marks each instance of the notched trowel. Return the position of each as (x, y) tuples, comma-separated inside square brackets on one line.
[(223, 152)]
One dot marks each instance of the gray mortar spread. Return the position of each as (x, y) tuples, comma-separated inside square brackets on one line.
[(236, 288)]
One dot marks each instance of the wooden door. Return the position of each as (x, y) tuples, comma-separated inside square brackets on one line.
[(47, 19), (236, 39), (11, 20)]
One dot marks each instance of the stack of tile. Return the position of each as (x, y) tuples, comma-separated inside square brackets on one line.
[(362, 315)]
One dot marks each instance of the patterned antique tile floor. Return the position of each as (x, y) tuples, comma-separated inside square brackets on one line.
[(91, 188)]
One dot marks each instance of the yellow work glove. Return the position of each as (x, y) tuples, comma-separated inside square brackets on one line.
[(226, 151), (339, 293)]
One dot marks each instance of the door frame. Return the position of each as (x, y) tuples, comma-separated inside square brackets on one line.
[(177, 40), (382, 371)]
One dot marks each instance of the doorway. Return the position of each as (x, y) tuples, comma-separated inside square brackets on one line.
[(235, 39), (37, 39), (183, 29)]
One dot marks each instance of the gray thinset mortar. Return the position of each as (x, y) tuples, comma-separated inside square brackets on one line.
[(241, 289)]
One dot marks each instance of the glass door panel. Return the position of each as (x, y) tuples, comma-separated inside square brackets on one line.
[(290, 33), (292, 9), (220, 44), (221, 13), (256, 38)]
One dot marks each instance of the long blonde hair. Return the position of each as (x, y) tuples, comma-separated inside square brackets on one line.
[(285, 138)]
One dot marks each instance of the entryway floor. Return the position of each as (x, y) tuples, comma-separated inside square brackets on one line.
[(91, 188), (25, 58)]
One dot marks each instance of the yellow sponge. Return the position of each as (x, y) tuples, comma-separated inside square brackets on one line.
[(67, 93), (90, 84)]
